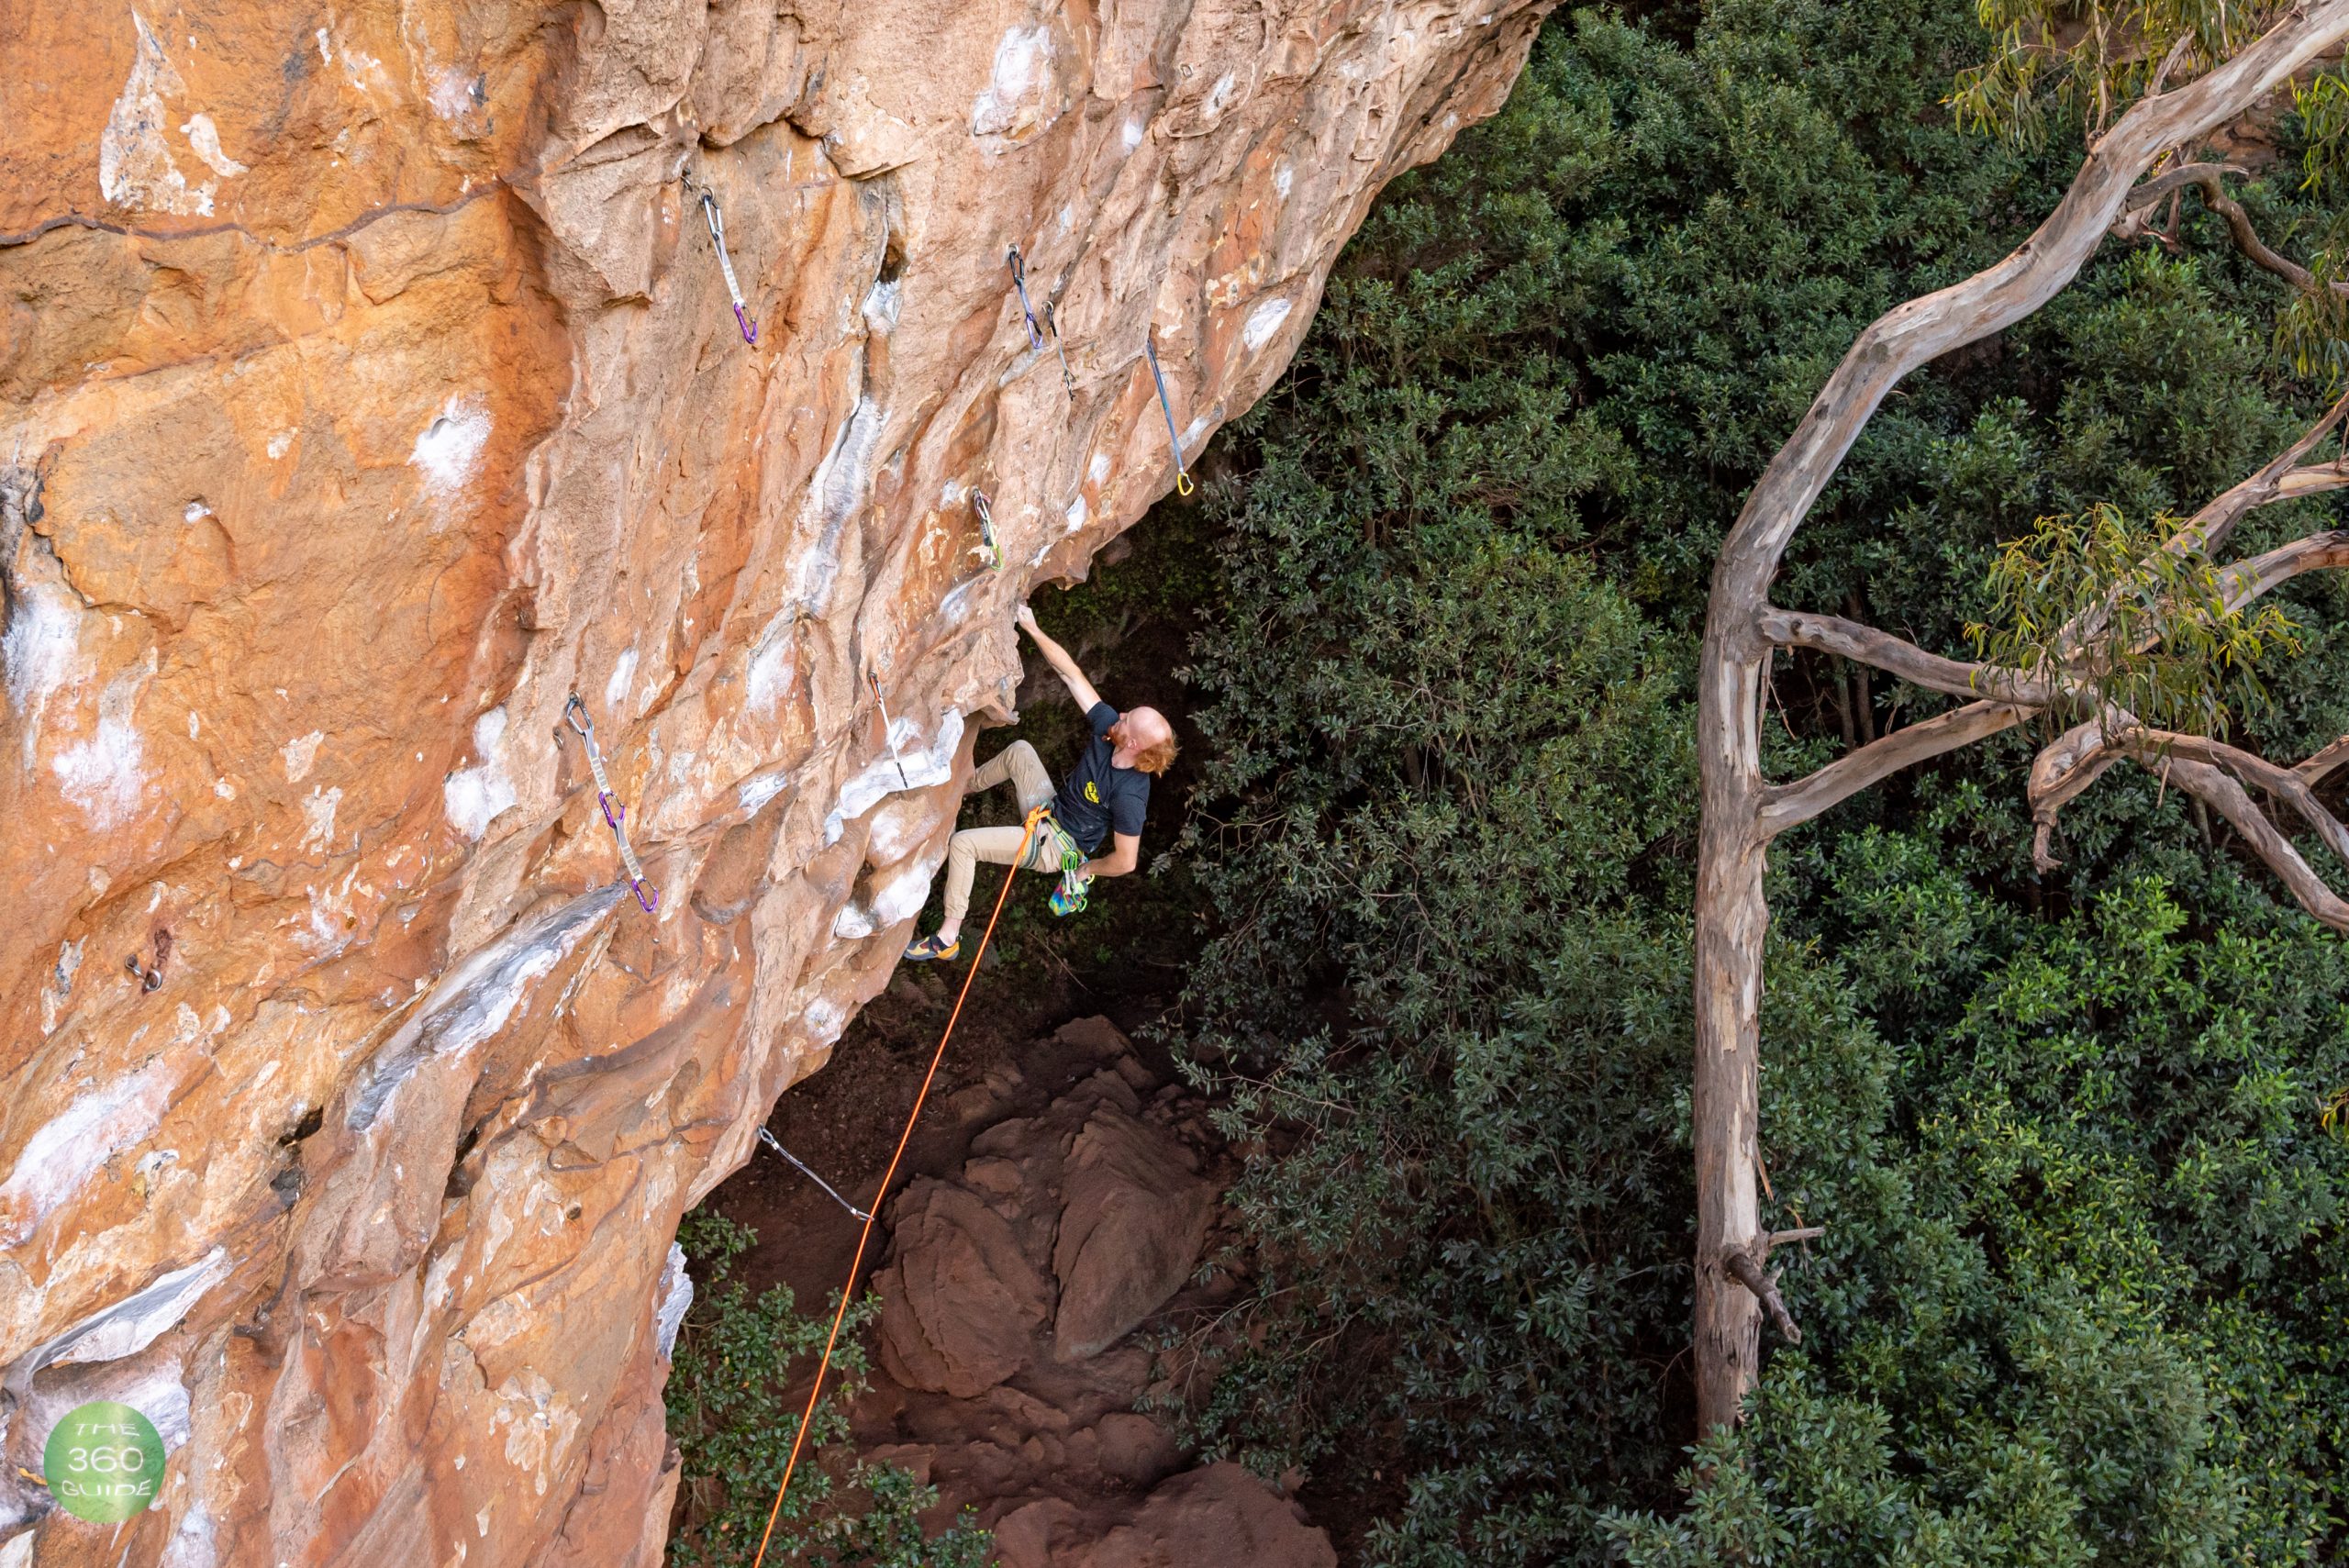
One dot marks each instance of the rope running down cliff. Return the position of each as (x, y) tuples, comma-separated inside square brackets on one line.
[(848, 1287)]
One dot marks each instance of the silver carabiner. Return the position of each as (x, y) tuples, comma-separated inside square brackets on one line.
[(1052, 325), (1026, 311), (986, 550)]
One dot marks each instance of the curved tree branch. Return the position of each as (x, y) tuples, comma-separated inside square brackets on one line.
[(2214, 786), (2316, 479), (2070, 765), (2059, 774), (2314, 769), (1865, 645), (2247, 579), (1926, 327), (2082, 753), (1764, 1287), (2162, 747), (2206, 178), (1792, 805), (2283, 479), (2148, 193)]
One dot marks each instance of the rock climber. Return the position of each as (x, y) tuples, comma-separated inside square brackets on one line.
[(1105, 798)]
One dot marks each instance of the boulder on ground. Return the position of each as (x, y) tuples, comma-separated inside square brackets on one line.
[(1135, 1219), (1218, 1514), (961, 1302)]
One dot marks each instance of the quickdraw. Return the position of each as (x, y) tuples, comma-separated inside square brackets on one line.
[(1068, 381), (1068, 894), (987, 550), (888, 730), (776, 1143), (1020, 281), (717, 221), (1182, 474), (152, 979), (613, 813)]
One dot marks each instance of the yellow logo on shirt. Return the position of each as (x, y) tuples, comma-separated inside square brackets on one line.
[(1091, 794)]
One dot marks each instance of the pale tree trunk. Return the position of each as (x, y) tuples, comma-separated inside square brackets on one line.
[(1731, 921), (1740, 810)]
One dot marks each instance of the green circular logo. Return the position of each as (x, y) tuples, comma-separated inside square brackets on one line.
[(104, 1463)]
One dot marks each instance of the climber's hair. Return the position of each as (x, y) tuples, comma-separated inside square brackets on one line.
[(1156, 759)]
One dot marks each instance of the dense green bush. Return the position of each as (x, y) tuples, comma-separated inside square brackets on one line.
[(2079, 1301)]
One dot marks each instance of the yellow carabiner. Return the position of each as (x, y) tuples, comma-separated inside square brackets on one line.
[(1173, 442)]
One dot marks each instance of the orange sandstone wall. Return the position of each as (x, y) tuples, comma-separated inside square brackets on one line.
[(370, 386)]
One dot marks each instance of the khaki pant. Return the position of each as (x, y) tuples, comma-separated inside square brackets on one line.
[(1018, 764)]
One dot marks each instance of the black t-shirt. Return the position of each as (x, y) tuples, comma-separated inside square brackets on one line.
[(1098, 796)]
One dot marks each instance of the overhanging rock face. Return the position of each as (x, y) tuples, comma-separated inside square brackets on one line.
[(372, 384)]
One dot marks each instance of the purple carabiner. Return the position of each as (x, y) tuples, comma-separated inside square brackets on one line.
[(750, 327), (651, 905)]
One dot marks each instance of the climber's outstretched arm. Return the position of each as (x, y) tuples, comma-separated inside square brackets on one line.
[(1057, 657), (1125, 853)]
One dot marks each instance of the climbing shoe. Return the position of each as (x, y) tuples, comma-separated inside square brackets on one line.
[(928, 948), (1068, 898)]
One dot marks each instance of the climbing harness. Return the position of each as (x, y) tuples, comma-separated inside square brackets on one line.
[(775, 1143), (986, 550), (1182, 474), (1070, 854), (888, 731), (1020, 281), (613, 813), (1068, 381), (815, 1391), (717, 221)]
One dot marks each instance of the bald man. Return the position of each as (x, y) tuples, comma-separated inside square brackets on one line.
[(1106, 796)]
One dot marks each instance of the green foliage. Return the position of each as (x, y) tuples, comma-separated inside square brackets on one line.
[(2138, 617), (2092, 58), (2091, 1287), (2312, 333), (2077, 1301), (2321, 101), (734, 1357)]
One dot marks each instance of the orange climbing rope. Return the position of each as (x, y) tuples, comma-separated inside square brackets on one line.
[(848, 1287)]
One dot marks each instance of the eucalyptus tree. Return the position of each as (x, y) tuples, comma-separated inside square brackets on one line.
[(2121, 642)]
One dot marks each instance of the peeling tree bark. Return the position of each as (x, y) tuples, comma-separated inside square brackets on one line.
[(1741, 811)]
